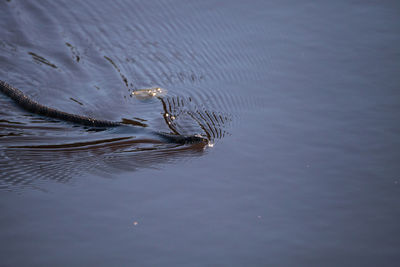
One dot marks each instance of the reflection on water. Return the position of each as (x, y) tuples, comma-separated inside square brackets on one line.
[(23, 165)]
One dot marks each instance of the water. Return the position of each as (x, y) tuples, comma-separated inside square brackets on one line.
[(299, 98)]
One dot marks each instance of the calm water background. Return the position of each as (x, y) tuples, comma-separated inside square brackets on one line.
[(301, 99)]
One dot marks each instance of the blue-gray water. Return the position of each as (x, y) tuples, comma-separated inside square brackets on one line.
[(300, 98)]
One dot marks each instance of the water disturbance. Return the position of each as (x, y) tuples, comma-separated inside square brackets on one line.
[(298, 101)]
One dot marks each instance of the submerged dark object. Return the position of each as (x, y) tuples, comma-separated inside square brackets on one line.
[(32, 106)]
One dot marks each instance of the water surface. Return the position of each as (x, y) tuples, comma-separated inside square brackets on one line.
[(300, 99)]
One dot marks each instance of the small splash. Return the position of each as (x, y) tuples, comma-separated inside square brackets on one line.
[(144, 94)]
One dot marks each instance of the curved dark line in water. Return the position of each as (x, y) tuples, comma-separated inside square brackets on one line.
[(76, 145), (26, 165), (32, 106)]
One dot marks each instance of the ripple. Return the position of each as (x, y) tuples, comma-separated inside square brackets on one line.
[(29, 165), (97, 61)]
